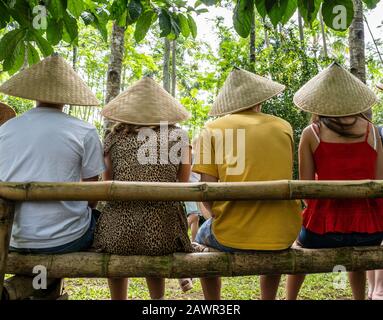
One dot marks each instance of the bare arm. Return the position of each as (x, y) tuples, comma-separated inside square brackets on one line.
[(306, 160), (185, 166), (108, 173), (92, 204), (379, 150), (207, 178)]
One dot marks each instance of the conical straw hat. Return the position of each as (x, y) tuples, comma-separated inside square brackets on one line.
[(380, 86), (6, 113), (335, 92), (145, 103), (243, 90), (52, 80)]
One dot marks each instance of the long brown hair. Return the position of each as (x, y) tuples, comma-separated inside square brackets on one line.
[(336, 125)]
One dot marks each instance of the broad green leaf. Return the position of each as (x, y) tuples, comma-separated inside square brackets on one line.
[(143, 25), (33, 55), (134, 11), (243, 17), (261, 7), (87, 18), (165, 23), (16, 60), (118, 9), (290, 10), (76, 7), (100, 25), (56, 8), (9, 42), (176, 29), (192, 26), (54, 31), (371, 4), (338, 14), (276, 9), (71, 27), (44, 46), (309, 9), (184, 25)]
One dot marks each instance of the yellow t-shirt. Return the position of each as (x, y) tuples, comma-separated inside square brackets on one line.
[(250, 146)]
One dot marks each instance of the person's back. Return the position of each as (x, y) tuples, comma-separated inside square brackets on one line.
[(45, 144), (340, 145), (263, 151), (351, 155)]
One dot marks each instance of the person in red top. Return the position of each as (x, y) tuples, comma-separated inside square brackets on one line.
[(340, 144)]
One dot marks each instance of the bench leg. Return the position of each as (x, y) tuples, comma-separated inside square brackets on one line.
[(7, 210)]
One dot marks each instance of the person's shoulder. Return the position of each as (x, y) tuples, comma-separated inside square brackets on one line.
[(78, 123), (277, 120)]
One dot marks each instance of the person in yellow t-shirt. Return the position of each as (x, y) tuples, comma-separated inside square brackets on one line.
[(247, 145)]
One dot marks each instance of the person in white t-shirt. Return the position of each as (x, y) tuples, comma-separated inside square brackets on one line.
[(45, 144)]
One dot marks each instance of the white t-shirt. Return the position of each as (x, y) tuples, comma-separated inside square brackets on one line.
[(47, 145)]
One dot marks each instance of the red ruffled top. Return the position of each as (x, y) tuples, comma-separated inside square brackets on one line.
[(344, 161)]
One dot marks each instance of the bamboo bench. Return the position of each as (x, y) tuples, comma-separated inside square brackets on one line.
[(90, 264)]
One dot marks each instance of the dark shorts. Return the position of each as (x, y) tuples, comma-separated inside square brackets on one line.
[(81, 244), (311, 240)]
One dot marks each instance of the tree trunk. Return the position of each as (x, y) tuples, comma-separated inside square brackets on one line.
[(324, 40), (113, 83), (267, 38), (357, 44), (301, 31), (74, 65), (166, 66), (252, 45), (174, 67)]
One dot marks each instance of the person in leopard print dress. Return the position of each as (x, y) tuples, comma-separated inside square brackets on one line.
[(144, 151)]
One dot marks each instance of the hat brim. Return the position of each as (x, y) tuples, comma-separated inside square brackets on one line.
[(250, 106), (332, 115)]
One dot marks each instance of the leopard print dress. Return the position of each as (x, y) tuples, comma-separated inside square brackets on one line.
[(140, 227)]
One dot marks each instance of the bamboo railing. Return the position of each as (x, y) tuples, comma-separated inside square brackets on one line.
[(180, 265), (128, 191)]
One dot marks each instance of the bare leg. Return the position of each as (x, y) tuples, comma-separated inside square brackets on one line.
[(118, 288), (294, 284), (156, 288), (193, 220), (211, 288), (371, 282), (269, 286), (378, 289), (358, 284)]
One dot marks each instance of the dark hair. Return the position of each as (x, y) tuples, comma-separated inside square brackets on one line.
[(336, 125)]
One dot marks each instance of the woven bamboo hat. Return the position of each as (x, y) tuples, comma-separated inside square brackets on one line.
[(380, 86), (243, 90), (145, 103), (52, 80), (335, 92), (6, 113)]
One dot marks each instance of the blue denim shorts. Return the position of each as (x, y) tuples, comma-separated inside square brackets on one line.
[(206, 237), (311, 240), (81, 244)]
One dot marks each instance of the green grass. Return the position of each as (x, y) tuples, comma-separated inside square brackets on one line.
[(316, 287)]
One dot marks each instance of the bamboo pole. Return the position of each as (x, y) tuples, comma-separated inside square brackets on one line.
[(130, 191), (292, 261), (6, 220)]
